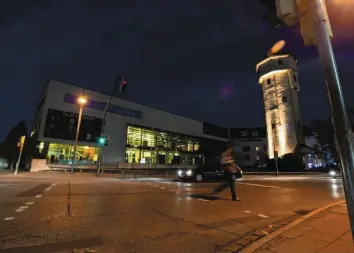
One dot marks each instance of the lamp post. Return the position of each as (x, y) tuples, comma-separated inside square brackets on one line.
[(81, 101)]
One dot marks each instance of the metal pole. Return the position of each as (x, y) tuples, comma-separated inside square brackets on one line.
[(338, 109), (18, 161), (100, 154), (76, 138), (275, 154)]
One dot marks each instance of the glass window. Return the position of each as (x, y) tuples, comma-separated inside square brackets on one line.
[(63, 154), (133, 155), (284, 99), (243, 133), (157, 147), (254, 133), (134, 135), (269, 81), (258, 148)]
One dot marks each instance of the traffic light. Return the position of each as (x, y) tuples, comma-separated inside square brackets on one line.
[(123, 82), (102, 141)]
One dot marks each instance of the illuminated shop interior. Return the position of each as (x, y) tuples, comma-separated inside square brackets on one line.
[(153, 146), (63, 153)]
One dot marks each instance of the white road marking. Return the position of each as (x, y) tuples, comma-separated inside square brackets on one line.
[(261, 185), (9, 218), (163, 188), (203, 199), (21, 209), (172, 191), (166, 182), (47, 189), (38, 196), (29, 203), (247, 211), (263, 216)]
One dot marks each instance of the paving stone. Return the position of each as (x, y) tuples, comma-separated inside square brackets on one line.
[(296, 231), (338, 246), (242, 242), (257, 233), (299, 244), (250, 238)]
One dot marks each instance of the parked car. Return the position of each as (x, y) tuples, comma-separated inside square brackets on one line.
[(206, 171)]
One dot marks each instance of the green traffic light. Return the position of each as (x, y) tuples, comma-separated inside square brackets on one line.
[(102, 140)]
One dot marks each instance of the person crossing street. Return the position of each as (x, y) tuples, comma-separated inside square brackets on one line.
[(231, 171)]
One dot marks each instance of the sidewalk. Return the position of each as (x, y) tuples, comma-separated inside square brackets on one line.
[(325, 232)]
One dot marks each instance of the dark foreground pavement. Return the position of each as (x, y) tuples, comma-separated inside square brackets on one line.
[(60, 213), (324, 232)]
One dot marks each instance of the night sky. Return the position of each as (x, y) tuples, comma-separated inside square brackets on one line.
[(195, 58)]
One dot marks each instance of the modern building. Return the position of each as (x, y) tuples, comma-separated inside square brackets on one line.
[(280, 83), (137, 134), (251, 145)]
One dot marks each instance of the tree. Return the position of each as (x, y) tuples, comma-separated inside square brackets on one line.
[(325, 131), (10, 148)]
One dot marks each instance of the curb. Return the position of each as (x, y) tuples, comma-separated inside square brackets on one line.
[(256, 245)]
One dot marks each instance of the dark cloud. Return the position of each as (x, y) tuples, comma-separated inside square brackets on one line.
[(178, 55)]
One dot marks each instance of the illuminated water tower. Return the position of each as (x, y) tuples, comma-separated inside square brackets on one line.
[(280, 83)]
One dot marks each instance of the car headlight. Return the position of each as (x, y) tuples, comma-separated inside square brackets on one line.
[(179, 173), (332, 173), (189, 172)]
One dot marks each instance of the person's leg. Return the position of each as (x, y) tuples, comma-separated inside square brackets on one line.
[(221, 187), (232, 187)]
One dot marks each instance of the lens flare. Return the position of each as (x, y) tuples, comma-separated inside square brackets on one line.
[(341, 18), (226, 91)]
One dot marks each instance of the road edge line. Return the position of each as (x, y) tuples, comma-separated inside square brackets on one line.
[(267, 238)]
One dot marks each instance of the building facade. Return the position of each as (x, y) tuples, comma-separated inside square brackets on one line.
[(278, 77), (136, 133), (251, 146)]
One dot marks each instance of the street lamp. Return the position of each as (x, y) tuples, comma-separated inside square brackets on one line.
[(81, 101)]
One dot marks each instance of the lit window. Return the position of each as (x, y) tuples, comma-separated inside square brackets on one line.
[(258, 158), (258, 148), (284, 99), (63, 153)]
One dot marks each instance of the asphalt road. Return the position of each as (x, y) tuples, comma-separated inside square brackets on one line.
[(59, 213)]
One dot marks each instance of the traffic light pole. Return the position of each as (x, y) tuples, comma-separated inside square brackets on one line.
[(100, 155), (338, 109)]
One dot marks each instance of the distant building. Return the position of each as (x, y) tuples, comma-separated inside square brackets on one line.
[(138, 134), (251, 145)]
